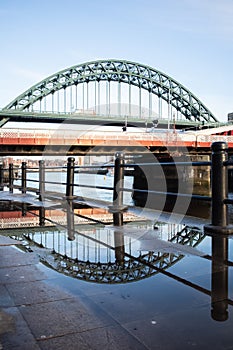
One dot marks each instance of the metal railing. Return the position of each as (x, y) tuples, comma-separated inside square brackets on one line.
[(219, 184)]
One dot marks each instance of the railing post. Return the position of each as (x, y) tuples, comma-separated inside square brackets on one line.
[(70, 177), (1, 178), (219, 185), (41, 180), (69, 198), (117, 208), (23, 177), (11, 177)]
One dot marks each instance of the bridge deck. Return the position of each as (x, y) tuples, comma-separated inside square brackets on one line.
[(109, 138)]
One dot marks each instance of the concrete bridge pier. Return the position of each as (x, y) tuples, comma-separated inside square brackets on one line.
[(201, 175), (172, 179)]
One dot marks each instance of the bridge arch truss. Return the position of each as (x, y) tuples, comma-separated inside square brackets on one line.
[(69, 91)]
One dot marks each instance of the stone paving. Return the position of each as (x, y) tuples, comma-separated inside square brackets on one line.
[(38, 314)]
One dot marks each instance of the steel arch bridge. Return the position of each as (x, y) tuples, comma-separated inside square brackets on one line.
[(53, 93)]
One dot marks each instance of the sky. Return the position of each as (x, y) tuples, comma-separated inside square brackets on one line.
[(189, 40)]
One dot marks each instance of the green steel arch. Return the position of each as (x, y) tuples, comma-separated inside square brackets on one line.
[(122, 71)]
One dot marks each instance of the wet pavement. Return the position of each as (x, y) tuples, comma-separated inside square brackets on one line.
[(43, 309), (38, 314)]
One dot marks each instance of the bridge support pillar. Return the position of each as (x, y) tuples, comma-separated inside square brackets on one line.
[(201, 175)]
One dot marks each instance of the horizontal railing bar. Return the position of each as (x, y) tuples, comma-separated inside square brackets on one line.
[(93, 166), (168, 164), (32, 180), (205, 198), (228, 201), (46, 168), (90, 186), (52, 182)]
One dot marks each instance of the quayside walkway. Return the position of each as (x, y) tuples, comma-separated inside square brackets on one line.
[(36, 313), (43, 309)]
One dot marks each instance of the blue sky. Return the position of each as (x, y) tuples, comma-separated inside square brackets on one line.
[(190, 40)]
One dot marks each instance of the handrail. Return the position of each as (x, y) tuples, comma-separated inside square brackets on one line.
[(219, 165)]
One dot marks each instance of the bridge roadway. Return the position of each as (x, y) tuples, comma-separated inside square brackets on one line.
[(80, 141)]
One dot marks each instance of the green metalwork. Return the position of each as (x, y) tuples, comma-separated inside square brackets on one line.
[(131, 73), (130, 270)]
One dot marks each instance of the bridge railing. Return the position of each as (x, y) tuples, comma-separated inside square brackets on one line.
[(34, 180), (219, 184)]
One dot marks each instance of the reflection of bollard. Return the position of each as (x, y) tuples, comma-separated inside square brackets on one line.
[(11, 177), (24, 209), (1, 178), (119, 247), (219, 288), (219, 220), (23, 177), (41, 216), (70, 177), (70, 220), (41, 180)]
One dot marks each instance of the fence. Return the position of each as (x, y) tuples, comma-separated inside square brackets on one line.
[(219, 183)]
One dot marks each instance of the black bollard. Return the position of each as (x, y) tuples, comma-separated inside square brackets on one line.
[(70, 177), (117, 208), (1, 178), (11, 177), (23, 177), (219, 185), (41, 180), (69, 198)]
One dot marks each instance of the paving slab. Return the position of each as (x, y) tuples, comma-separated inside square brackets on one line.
[(5, 241), (35, 313), (15, 332)]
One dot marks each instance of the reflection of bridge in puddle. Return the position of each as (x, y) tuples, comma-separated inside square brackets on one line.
[(103, 253), (109, 255)]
